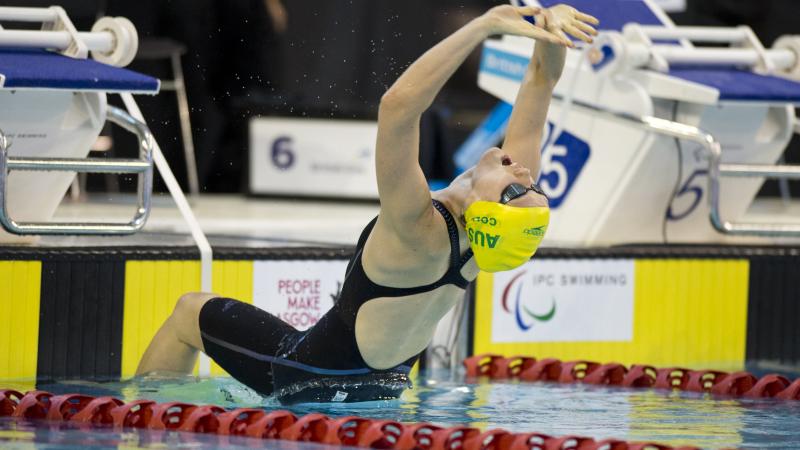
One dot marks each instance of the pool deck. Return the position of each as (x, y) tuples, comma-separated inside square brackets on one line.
[(228, 220), (242, 221)]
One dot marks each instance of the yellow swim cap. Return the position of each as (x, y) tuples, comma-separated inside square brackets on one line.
[(503, 237)]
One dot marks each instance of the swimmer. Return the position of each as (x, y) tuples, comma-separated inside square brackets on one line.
[(412, 262)]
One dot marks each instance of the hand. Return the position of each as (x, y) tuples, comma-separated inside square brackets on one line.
[(278, 15), (561, 19), (507, 19)]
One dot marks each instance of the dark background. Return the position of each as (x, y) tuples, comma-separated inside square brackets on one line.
[(334, 60)]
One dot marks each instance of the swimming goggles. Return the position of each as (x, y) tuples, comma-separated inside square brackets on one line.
[(516, 190)]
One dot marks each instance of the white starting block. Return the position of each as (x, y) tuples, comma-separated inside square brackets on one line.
[(656, 129), (52, 109)]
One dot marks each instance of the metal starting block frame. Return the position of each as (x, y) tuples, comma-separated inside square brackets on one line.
[(142, 166), (717, 169)]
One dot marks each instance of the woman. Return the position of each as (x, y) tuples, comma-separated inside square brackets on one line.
[(415, 259)]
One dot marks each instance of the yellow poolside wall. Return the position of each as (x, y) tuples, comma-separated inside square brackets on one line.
[(153, 287), (686, 312), (20, 285)]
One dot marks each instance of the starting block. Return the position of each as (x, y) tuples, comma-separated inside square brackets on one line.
[(654, 137), (53, 109)]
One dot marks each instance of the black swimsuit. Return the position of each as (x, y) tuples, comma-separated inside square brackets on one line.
[(323, 363)]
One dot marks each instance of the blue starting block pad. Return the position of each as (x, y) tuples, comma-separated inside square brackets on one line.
[(613, 14), (741, 85), (41, 69)]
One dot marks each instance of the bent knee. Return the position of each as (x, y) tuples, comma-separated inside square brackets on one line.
[(187, 309), (185, 318)]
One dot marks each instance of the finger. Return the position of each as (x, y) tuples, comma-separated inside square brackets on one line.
[(588, 29), (586, 18), (528, 10), (567, 41), (547, 15), (574, 31), (546, 36)]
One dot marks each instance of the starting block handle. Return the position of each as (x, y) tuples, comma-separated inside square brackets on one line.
[(780, 58), (782, 171), (82, 165), (59, 40), (703, 34), (113, 40), (21, 14), (143, 166), (746, 48)]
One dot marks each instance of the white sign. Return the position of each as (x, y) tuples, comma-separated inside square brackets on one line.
[(329, 158), (298, 292), (564, 301), (672, 6)]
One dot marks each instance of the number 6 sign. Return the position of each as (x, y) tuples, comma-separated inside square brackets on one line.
[(282, 155)]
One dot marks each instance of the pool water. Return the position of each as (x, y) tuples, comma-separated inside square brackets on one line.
[(673, 418)]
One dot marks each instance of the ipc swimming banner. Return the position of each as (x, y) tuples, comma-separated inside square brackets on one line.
[(564, 300)]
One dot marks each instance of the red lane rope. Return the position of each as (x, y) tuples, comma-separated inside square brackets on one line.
[(257, 423), (735, 384)]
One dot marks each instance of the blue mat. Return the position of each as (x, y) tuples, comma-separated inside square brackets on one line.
[(613, 14), (40, 69), (742, 85)]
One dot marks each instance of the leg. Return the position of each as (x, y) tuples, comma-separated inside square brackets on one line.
[(244, 340), (174, 348)]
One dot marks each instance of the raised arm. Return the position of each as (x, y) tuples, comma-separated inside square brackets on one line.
[(524, 134), (402, 187)]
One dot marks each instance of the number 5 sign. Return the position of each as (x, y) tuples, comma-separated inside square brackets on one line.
[(691, 189), (561, 165)]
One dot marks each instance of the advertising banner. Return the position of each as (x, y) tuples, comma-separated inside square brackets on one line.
[(564, 301), (299, 292)]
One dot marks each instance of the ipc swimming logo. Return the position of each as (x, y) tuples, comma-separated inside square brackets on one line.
[(524, 315)]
